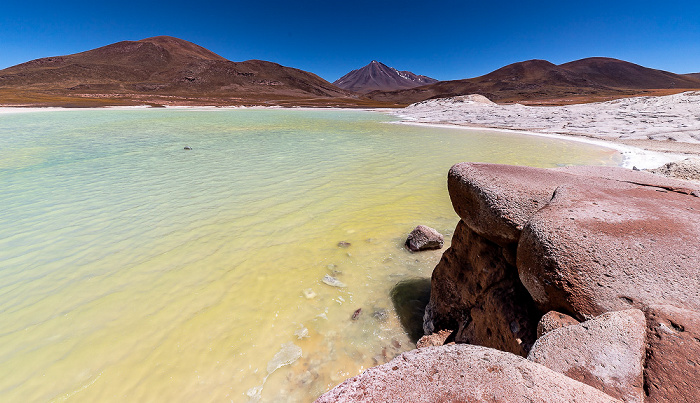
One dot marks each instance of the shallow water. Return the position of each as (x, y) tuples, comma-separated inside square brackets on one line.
[(133, 270)]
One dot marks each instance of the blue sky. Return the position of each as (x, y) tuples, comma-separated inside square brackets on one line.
[(442, 39)]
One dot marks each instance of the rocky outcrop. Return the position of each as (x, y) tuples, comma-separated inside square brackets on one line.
[(462, 373), (606, 352), (581, 241), (601, 246), (424, 238)]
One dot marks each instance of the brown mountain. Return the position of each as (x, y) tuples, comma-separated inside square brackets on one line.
[(539, 81), (379, 76), (693, 75), (162, 70)]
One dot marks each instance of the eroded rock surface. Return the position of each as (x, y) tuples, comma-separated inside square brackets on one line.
[(434, 339), (606, 352), (581, 241), (608, 245), (462, 373), (475, 291), (673, 355)]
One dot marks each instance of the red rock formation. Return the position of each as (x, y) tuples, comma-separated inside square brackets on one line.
[(476, 292), (462, 373), (585, 240)]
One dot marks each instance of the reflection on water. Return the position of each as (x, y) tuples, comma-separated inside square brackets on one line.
[(134, 270)]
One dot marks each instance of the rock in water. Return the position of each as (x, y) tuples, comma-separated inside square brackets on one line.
[(424, 238), (333, 282), (188, 148), (289, 353)]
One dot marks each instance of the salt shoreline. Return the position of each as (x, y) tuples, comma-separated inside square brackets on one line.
[(632, 156), (648, 131)]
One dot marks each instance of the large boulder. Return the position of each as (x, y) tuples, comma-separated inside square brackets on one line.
[(462, 373), (496, 201), (609, 245), (673, 355), (606, 352)]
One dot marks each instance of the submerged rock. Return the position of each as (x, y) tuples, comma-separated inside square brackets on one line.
[(332, 281), (424, 238)]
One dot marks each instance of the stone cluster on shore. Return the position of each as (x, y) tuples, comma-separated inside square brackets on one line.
[(561, 285)]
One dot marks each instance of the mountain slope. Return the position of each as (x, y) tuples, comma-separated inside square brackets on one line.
[(534, 80), (378, 76), (164, 66)]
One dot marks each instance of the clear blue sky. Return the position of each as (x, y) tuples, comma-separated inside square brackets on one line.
[(442, 39)]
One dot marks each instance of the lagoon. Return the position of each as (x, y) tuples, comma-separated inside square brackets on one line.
[(134, 270)]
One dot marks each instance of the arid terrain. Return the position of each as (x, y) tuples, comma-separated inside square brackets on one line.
[(163, 71), (539, 82)]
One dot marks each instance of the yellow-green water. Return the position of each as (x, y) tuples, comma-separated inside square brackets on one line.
[(133, 270)]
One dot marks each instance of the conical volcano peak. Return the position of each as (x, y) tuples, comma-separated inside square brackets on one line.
[(379, 76)]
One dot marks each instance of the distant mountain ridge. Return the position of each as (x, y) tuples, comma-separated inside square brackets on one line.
[(163, 67), (169, 71), (540, 79), (379, 76)]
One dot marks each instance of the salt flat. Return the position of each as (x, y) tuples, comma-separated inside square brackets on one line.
[(667, 123)]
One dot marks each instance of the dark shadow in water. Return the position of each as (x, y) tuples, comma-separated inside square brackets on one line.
[(410, 298)]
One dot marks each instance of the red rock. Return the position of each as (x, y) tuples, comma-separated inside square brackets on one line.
[(606, 352), (475, 291), (462, 373), (553, 320), (424, 238), (497, 200), (673, 355), (610, 245), (434, 339)]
